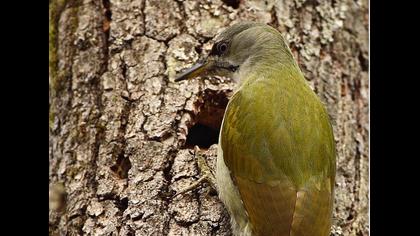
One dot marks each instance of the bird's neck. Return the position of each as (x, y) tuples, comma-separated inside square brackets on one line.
[(269, 66)]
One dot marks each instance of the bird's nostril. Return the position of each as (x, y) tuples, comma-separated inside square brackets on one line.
[(233, 68)]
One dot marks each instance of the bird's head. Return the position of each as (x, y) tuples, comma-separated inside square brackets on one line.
[(239, 47)]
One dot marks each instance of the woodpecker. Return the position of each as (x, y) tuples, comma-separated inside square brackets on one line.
[(276, 162)]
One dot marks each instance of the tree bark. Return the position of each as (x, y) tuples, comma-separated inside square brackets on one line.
[(122, 132)]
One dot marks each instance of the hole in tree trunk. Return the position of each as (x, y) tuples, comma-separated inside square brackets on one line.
[(232, 3), (205, 130), (202, 136)]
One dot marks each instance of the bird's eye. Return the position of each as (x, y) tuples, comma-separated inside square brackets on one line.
[(221, 47)]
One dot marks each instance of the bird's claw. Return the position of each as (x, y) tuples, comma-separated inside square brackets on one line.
[(207, 174)]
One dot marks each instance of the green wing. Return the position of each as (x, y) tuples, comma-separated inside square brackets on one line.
[(278, 144)]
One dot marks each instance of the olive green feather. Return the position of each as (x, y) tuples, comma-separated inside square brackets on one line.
[(278, 144)]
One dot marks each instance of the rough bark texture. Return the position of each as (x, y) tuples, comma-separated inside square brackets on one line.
[(121, 131)]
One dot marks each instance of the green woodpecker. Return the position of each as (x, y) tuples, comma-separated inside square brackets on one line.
[(276, 162)]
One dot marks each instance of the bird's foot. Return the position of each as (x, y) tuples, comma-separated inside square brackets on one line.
[(207, 174)]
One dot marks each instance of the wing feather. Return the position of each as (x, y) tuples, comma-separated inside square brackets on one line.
[(279, 148)]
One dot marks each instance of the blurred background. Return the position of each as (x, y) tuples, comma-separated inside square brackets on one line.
[(122, 132)]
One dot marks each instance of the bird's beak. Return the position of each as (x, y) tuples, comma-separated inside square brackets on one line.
[(200, 68)]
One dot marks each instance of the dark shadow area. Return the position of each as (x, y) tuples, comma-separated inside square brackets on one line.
[(232, 3), (202, 136), (205, 131), (122, 166)]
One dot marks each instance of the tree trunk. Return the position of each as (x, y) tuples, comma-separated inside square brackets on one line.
[(122, 132)]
